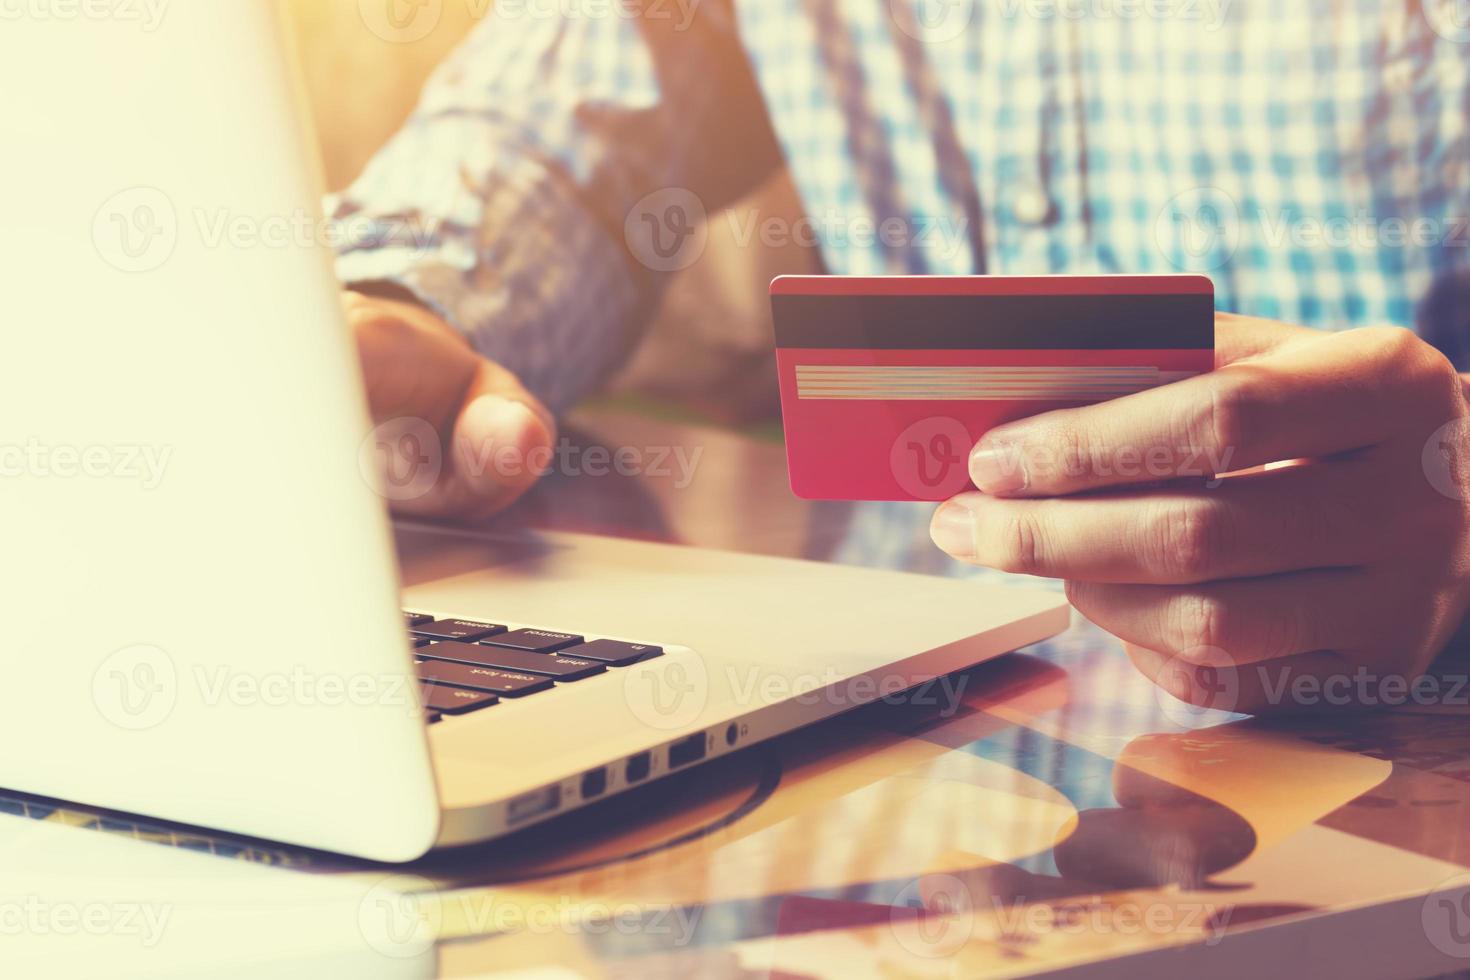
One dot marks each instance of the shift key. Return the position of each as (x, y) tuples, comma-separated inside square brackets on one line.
[(516, 661), (508, 683), (467, 630)]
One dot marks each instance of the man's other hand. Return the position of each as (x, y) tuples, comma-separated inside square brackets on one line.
[(1340, 544)]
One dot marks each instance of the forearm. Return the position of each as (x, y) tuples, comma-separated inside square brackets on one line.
[(533, 281), (502, 203)]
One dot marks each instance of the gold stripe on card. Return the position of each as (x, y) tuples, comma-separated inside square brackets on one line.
[(971, 383)]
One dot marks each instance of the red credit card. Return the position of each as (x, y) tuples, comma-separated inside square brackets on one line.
[(887, 382)]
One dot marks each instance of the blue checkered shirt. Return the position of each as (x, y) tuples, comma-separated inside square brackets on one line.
[(1309, 155)]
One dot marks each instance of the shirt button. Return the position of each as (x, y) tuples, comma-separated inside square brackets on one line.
[(1031, 206)]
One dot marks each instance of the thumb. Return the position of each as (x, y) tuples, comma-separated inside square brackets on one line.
[(501, 443)]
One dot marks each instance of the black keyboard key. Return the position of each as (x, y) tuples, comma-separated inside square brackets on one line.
[(418, 641), (432, 717), (556, 665), (454, 700), (416, 619), (511, 684), (535, 641), (457, 629), (614, 653)]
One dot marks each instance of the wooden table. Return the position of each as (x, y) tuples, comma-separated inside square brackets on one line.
[(1067, 816)]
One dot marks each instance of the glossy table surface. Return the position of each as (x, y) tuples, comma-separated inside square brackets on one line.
[(1063, 815)]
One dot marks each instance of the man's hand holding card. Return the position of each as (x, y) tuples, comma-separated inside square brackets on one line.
[(1290, 518)]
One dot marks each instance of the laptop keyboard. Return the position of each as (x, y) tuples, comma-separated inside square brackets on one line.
[(466, 665)]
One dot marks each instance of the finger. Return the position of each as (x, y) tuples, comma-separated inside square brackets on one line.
[(502, 439), (1243, 621), (1250, 412), (500, 443), (1276, 521), (1239, 338), (413, 365), (465, 434)]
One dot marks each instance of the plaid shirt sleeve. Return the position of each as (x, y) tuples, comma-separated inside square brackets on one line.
[(502, 203)]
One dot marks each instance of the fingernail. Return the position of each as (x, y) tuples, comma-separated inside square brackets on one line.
[(495, 436), (953, 530), (997, 466)]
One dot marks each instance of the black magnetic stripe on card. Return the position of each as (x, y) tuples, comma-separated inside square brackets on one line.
[(1102, 322)]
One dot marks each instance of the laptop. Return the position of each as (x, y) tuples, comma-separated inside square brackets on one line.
[(206, 618)]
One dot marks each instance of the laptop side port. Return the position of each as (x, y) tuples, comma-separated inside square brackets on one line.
[(536, 804), (594, 783), (686, 750), (637, 768)]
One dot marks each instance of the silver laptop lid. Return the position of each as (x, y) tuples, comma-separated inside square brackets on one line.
[(199, 600)]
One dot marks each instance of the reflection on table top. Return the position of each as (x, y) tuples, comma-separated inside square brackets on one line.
[(1054, 810)]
